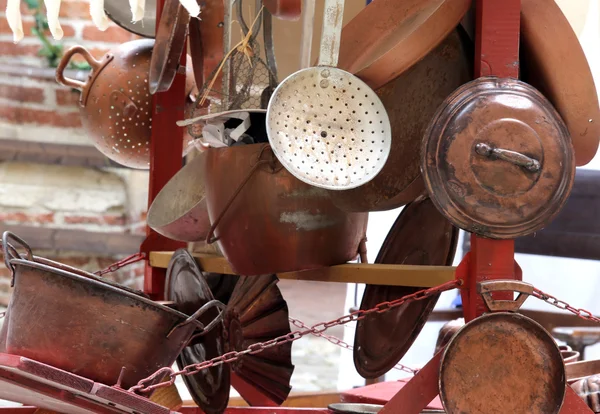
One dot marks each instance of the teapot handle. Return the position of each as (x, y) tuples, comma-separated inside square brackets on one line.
[(75, 50)]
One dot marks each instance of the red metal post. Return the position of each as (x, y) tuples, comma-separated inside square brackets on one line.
[(166, 148), (497, 54)]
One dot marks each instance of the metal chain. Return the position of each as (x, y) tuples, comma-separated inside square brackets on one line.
[(560, 304), (134, 258), (339, 342), (148, 384)]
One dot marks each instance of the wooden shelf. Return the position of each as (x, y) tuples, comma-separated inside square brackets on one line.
[(374, 274)]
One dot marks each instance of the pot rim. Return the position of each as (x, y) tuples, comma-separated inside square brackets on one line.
[(153, 220), (98, 283)]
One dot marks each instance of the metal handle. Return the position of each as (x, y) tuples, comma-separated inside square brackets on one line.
[(75, 50), (194, 319), (308, 22), (513, 157), (331, 33), (11, 253), (485, 289)]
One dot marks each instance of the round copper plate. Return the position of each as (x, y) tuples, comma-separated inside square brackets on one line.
[(187, 287), (420, 236), (400, 34), (553, 61), (502, 363), (170, 40), (497, 159)]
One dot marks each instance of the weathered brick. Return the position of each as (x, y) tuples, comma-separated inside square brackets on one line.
[(22, 93), (37, 116), (27, 218), (12, 49), (67, 97), (68, 30), (113, 34), (75, 9), (113, 220)]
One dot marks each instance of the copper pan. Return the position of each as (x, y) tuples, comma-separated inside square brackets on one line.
[(179, 210), (87, 327), (410, 100), (502, 362), (580, 369), (400, 33), (267, 221), (553, 61)]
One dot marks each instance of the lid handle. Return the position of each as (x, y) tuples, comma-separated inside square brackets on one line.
[(516, 158), (485, 289)]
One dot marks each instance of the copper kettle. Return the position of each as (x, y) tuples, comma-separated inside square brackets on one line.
[(115, 101)]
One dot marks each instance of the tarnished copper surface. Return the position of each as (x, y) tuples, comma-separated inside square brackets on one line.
[(420, 236), (553, 61), (170, 41), (497, 159), (588, 389), (90, 328), (256, 313), (115, 102), (179, 210), (400, 33), (187, 287), (410, 100), (296, 223), (502, 363)]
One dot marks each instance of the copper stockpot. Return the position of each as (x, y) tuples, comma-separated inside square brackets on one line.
[(81, 324), (115, 102), (268, 221)]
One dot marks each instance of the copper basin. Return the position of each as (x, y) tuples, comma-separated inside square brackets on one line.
[(268, 221), (90, 328)]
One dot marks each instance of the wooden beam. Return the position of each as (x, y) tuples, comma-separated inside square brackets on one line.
[(295, 399), (374, 274)]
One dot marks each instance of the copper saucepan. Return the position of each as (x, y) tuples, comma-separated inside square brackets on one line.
[(267, 221)]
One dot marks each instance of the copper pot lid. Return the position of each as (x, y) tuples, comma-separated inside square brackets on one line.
[(497, 159), (401, 33), (257, 312), (553, 61), (187, 287), (170, 41), (420, 236), (502, 363)]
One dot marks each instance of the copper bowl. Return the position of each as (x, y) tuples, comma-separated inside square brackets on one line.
[(267, 221), (79, 323)]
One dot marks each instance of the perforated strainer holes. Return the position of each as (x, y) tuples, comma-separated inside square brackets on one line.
[(314, 128)]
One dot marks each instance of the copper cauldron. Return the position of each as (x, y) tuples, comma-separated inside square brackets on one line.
[(115, 102), (81, 324), (267, 221)]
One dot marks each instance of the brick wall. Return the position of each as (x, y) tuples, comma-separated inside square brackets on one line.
[(33, 107)]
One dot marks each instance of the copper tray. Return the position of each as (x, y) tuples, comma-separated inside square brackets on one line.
[(420, 236)]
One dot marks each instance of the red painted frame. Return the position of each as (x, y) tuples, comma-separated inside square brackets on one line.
[(166, 149)]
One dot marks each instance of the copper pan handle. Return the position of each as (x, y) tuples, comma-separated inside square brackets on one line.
[(194, 319), (11, 253), (60, 70), (485, 289)]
